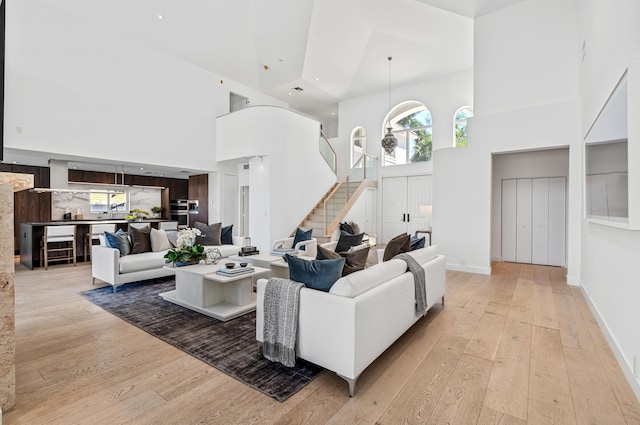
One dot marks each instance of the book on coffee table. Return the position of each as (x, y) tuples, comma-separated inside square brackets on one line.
[(235, 271)]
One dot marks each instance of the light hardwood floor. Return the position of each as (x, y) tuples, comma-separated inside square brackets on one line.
[(517, 347)]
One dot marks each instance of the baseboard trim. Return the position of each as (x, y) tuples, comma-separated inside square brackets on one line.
[(626, 368), (573, 281), (468, 269)]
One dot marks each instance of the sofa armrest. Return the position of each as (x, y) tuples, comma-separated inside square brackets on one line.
[(310, 248), (330, 245), (238, 240), (284, 243), (105, 264)]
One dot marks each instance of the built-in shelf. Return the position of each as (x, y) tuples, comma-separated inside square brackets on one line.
[(612, 157)]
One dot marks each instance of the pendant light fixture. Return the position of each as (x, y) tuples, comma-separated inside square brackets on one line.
[(389, 142)]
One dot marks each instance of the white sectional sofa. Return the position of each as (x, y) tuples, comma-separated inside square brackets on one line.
[(346, 329), (109, 267)]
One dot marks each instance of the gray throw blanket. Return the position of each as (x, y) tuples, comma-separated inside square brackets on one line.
[(281, 302), (419, 282)]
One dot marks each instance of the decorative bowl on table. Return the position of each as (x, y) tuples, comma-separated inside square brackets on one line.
[(243, 264), (229, 265)]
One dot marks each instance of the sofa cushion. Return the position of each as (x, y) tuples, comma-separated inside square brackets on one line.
[(143, 261), (355, 227), (226, 235), (357, 283), (118, 240), (301, 236), (210, 233), (346, 241), (354, 260), (140, 240), (424, 255), (315, 274), (159, 240), (397, 245)]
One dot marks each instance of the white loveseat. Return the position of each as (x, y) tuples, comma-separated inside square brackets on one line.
[(346, 329), (108, 266)]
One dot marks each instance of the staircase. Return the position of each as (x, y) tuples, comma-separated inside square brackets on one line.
[(325, 217)]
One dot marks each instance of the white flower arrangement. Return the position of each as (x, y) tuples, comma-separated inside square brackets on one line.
[(187, 237)]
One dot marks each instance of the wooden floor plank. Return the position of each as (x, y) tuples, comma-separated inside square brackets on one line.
[(573, 330), (508, 389), (461, 401), (550, 401), (593, 398), (489, 416), (544, 311), (485, 340)]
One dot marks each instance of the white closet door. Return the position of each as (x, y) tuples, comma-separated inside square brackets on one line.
[(370, 210), (418, 193), (523, 221), (540, 222), (394, 207), (557, 220), (509, 220)]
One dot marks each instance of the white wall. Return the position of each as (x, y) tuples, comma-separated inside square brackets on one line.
[(609, 255), (79, 90), (525, 99), (287, 173), (443, 96), (543, 163)]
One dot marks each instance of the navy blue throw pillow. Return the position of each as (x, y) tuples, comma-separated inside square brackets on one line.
[(301, 236), (417, 243), (118, 240), (315, 274), (226, 235)]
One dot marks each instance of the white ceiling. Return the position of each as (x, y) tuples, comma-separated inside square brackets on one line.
[(333, 49)]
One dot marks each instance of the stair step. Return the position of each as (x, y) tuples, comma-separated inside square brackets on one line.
[(314, 225)]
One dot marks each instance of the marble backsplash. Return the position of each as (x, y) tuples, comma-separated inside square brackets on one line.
[(137, 197)]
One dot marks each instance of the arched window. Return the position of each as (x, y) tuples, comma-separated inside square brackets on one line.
[(411, 124), (460, 125), (358, 144)]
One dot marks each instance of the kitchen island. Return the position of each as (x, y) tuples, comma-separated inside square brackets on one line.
[(31, 235)]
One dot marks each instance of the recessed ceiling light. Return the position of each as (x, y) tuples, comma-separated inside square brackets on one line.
[(317, 79), (289, 93), (141, 168), (15, 162), (160, 16), (333, 113)]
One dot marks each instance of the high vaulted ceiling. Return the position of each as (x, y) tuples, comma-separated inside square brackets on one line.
[(332, 49)]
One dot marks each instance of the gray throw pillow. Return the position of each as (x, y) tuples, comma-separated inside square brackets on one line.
[(172, 235), (210, 234)]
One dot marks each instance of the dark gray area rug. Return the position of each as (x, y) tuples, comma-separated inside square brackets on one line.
[(228, 346)]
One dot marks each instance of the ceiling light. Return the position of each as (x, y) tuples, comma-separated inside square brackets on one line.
[(317, 79), (299, 89), (141, 168), (389, 141), (333, 113), (160, 16), (289, 93), (266, 67)]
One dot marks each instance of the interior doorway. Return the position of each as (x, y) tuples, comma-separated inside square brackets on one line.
[(529, 206), (244, 211)]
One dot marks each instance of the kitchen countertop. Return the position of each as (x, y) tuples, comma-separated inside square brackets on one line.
[(95, 221)]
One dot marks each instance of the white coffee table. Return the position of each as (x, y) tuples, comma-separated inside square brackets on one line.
[(260, 260), (201, 289)]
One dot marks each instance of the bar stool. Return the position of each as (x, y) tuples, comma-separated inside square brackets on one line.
[(95, 231), (168, 225), (59, 235)]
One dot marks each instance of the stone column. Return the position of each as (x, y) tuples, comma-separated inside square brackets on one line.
[(9, 183)]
